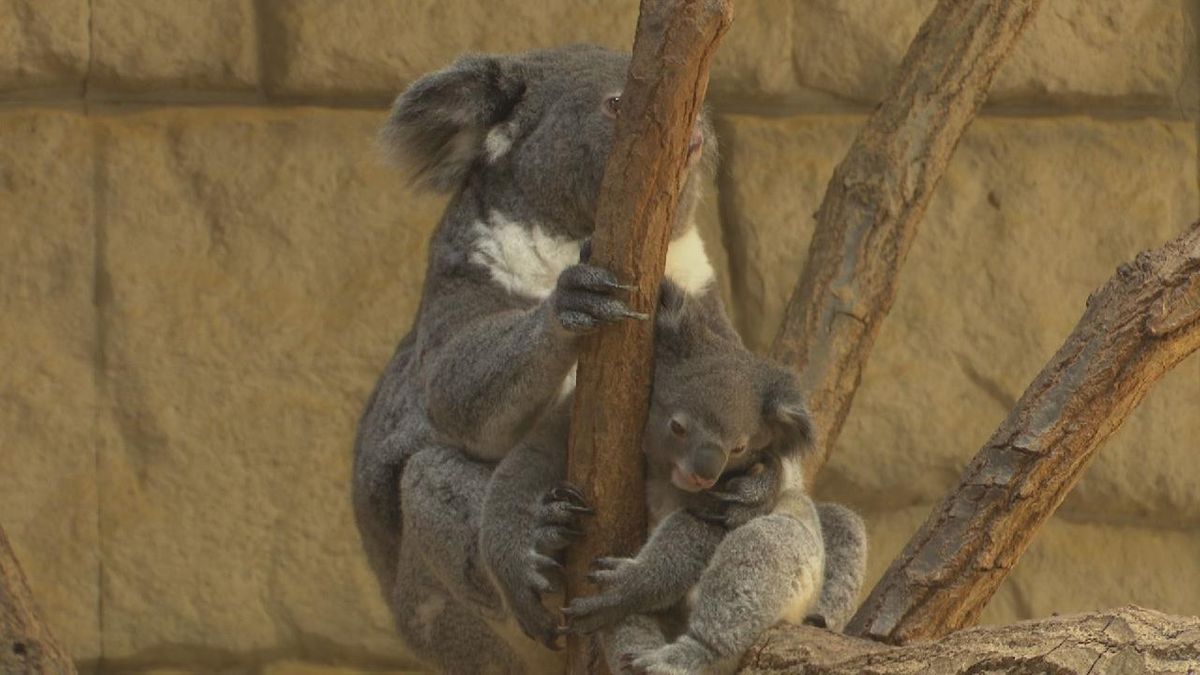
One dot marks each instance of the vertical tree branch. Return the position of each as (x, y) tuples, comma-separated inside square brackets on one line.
[(26, 645), (668, 78), (1136, 327), (868, 218)]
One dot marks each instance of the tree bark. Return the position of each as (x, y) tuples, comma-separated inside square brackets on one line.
[(1128, 640), (1140, 324), (869, 215), (26, 645), (668, 78)]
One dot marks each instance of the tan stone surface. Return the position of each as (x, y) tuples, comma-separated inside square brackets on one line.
[(373, 48), (1069, 567), (47, 386), (1032, 216), (154, 45), (43, 44), (260, 268), (1075, 50), (817, 52)]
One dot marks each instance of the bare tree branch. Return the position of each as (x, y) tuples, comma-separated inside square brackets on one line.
[(668, 78), (1128, 640), (26, 645), (1140, 324), (868, 218)]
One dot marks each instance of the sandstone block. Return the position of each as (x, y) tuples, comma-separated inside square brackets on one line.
[(260, 268), (148, 44), (1075, 51), (1032, 216), (308, 52), (48, 396), (43, 44)]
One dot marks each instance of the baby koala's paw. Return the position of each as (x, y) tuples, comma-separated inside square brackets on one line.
[(685, 656), (617, 579), (739, 498)]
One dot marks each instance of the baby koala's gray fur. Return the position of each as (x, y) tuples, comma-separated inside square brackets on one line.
[(782, 558), (520, 141)]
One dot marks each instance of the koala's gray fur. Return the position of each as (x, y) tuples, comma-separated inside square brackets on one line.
[(521, 142)]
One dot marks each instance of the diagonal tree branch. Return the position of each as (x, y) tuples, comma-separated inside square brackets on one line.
[(668, 78), (26, 645), (1140, 324), (869, 216)]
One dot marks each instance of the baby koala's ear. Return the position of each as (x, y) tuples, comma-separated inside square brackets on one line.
[(787, 416), (438, 126)]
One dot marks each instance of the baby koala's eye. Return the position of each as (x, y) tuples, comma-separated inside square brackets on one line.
[(677, 428), (738, 450), (612, 105)]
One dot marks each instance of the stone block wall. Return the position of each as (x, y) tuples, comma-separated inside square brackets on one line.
[(204, 265)]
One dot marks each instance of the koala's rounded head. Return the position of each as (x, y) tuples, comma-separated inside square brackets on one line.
[(534, 130), (723, 412)]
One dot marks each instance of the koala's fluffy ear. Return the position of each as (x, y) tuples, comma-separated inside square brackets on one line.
[(787, 415), (437, 126)]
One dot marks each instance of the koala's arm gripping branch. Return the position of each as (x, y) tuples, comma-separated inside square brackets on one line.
[(26, 645), (1136, 327), (667, 82), (868, 218)]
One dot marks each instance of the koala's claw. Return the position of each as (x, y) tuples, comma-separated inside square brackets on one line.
[(712, 517), (556, 518), (583, 299), (567, 493), (605, 563)]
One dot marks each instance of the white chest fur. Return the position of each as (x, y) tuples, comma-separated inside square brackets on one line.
[(526, 260)]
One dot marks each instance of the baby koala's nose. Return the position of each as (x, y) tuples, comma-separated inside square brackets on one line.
[(706, 466)]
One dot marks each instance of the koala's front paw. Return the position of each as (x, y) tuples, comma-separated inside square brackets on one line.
[(617, 579), (556, 518), (685, 656), (583, 299), (738, 499)]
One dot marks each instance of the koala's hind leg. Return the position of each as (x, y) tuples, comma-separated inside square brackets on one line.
[(768, 569), (442, 499), (440, 630), (845, 539), (635, 635)]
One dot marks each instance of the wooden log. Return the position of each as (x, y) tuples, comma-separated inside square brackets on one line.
[(1128, 640), (877, 196), (668, 78)]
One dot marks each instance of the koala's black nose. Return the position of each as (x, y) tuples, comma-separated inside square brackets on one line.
[(707, 462)]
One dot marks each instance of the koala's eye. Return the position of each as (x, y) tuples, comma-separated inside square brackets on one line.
[(738, 450), (612, 106), (677, 428)]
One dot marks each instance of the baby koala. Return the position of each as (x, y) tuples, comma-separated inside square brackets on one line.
[(699, 594)]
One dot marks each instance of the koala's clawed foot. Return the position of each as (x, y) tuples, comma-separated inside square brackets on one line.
[(617, 579), (685, 656), (583, 299), (524, 594), (556, 518)]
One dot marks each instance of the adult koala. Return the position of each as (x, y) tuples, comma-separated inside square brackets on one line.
[(521, 142)]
